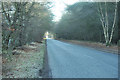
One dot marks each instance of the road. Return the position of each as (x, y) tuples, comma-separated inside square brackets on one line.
[(74, 61)]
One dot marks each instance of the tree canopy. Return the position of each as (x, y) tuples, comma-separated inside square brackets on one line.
[(24, 22), (82, 22)]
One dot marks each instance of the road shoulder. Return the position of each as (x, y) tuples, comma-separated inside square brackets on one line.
[(46, 71), (98, 46)]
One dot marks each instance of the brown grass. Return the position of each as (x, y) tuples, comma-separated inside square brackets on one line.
[(96, 45)]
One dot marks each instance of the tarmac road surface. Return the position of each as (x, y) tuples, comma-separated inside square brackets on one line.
[(75, 61)]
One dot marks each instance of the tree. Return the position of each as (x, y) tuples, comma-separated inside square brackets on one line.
[(82, 22), (23, 22), (105, 22), (79, 22)]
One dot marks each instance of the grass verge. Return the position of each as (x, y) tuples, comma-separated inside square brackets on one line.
[(26, 64)]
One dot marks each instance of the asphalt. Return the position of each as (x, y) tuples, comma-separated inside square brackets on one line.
[(74, 61)]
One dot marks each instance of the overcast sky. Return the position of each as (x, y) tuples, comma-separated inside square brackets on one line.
[(59, 7)]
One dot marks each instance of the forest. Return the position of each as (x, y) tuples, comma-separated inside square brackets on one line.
[(95, 21), (26, 22), (23, 23), (32, 39)]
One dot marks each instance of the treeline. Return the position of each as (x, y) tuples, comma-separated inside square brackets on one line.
[(24, 22), (89, 22)]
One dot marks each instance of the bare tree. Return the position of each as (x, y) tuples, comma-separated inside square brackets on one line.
[(105, 22)]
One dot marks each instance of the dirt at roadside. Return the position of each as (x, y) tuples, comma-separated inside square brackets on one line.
[(46, 72), (0, 67), (26, 62), (98, 46)]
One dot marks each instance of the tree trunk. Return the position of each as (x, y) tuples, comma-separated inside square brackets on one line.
[(105, 23)]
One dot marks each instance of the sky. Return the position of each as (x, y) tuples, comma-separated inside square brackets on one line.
[(59, 7)]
